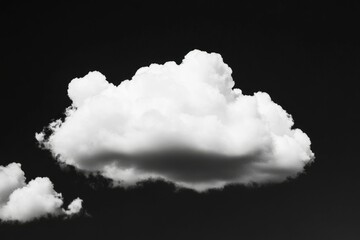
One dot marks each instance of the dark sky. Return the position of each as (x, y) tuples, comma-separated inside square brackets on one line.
[(305, 56)]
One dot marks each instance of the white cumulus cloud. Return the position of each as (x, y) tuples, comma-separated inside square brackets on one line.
[(21, 201), (185, 123), (11, 178), (74, 207)]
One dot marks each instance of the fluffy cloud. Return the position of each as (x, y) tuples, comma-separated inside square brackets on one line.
[(184, 123), (11, 178), (74, 207), (25, 202)]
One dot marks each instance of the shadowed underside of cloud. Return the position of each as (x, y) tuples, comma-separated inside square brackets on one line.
[(186, 167), (184, 123), (21, 201)]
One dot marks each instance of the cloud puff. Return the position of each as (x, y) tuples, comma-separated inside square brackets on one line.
[(74, 207), (25, 202), (11, 178), (184, 123)]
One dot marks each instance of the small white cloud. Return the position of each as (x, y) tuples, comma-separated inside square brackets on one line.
[(184, 123), (40, 136), (11, 178), (25, 202), (74, 207)]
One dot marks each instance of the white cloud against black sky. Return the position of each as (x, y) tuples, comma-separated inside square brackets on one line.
[(185, 123), (21, 201)]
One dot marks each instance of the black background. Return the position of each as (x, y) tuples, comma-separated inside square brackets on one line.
[(305, 55)]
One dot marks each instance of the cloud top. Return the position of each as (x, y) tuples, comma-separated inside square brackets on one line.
[(25, 202), (185, 123)]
